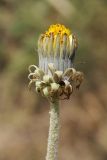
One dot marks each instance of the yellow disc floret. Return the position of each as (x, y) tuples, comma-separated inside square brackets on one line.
[(57, 29)]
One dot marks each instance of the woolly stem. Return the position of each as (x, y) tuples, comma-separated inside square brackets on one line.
[(52, 148)]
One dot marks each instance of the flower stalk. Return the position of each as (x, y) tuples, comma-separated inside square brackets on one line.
[(52, 147)]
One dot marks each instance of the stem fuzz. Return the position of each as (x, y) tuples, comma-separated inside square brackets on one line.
[(52, 148)]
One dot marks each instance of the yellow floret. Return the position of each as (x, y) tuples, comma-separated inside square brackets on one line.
[(57, 29)]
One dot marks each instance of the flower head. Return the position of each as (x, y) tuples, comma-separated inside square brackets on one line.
[(57, 45), (55, 77)]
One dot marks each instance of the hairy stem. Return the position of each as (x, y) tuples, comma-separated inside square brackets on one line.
[(52, 148)]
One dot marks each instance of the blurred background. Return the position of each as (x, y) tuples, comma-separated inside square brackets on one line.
[(24, 118)]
